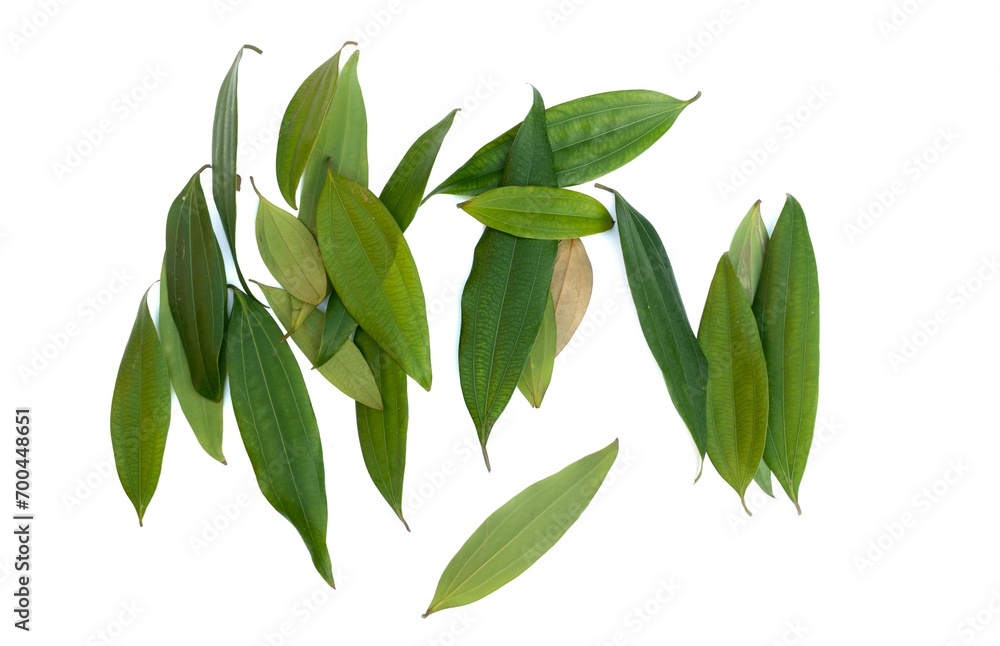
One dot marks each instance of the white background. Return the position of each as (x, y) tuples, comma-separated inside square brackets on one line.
[(889, 433)]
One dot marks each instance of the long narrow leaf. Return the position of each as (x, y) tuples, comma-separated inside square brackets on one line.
[(278, 426), (140, 412)]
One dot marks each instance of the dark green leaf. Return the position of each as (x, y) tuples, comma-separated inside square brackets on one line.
[(278, 426), (204, 415), (737, 380), (225, 138), (590, 137), (140, 412), (517, 534), (539, 212), (338, 326), (787, 311), (196, 287), (504, 300), (374, 273), (406, 186), (382, 433), (663, 319)]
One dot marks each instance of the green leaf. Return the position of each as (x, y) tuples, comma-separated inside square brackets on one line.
[(590, 137), (342, 145), (529, 157), (225, 139), (572, 287), (537, 373), (663, 319), (787, 311), (301, 124), (539, 212), (278, 426), (521, 531), (503, 305), (290, 252), (338, 326), (374, 273), (403, 192), (737, 380), (347, 370), (504, 300), (382, 433), (140, 412), (196, 287), (747, 250), (747, 255), (763, 479), (204, 415)]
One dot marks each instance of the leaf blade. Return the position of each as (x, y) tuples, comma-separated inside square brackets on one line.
[(590, 137), (203, 415), (196, 287), (572, 287), (301, 124), (342, 144), (225, 139), (140, 412), (278, 426), (539, 212), (374, 273), (663, 319), (404, 191), (290, 252), (504, 299), (786, 307), (382, 433), (521, 531), (737, 382), (537, 373)]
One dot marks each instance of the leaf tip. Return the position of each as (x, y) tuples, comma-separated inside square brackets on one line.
[(486, 458), (745, 508), (798, 507), (694, 98)]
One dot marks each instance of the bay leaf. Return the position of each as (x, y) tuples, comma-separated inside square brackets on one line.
[(539, 212), (140, 412), (537, 373), (572, 287)]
